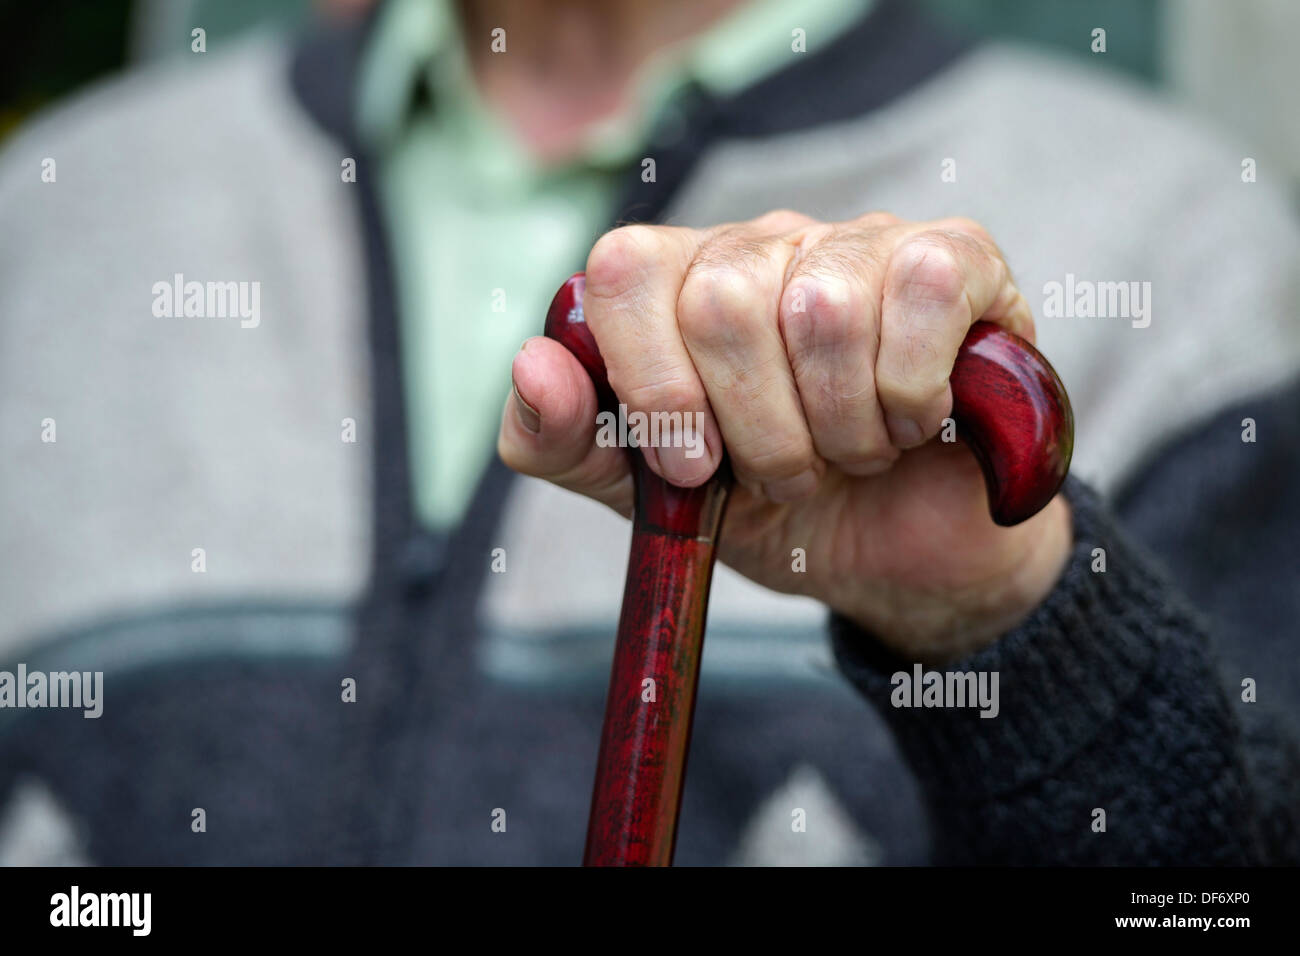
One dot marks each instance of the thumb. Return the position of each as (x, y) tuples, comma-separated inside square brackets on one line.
[(548, 427)]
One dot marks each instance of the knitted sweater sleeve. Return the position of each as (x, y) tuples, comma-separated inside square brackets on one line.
[(1115, 739)]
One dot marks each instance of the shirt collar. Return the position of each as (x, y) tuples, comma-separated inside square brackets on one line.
[(417, 44)]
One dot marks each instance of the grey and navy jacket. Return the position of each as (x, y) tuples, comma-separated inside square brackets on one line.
[(1160, 691)]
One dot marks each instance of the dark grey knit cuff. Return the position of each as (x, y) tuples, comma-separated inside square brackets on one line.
[(1062, 676)]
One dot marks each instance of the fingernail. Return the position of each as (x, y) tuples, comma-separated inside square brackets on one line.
[(680, 465), (904, 432), (792, 489), (529, 417)]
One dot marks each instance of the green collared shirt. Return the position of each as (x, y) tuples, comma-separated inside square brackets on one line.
[(483, 234)]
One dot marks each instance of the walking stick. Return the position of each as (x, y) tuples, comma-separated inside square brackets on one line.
[(1010, 409)]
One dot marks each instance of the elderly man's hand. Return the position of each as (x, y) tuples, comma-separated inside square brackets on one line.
[(819, 355)]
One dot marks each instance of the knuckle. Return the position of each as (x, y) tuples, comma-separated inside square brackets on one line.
[(821, 312), (840, 407), (915, 378), (928, 265), (848, 428), (910, 368), (717, 301), (620, 259), (970, 246)]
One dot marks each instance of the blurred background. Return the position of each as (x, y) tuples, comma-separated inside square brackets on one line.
[(1230, 61)]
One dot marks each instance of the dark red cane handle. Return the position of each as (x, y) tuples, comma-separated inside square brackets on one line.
[(1009, 407), (1008, 403)]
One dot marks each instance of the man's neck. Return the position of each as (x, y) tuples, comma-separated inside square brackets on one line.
[(569, 64)]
